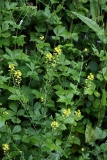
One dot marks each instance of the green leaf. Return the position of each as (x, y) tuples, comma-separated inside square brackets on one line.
[(104, 147), (94, 9), (16, 129), (26, 139), (2, 122), (16, 137), (54, 1), (88, 91), (61, 31), (104, 70), (96, 93), (104, 96), (76, 140), (19, 40), (47, 12), (53, 156), (69, 120), (5, 26), (89, 22), (74, 36), (93, 66), (13, 106), (90, 134)]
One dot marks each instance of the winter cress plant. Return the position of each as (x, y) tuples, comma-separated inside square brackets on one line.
[(53, 73)]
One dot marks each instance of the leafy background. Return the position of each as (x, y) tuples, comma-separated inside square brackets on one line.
[(29, 31)]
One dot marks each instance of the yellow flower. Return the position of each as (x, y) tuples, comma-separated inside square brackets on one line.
[(49, 56), (11, 66), (5, 147), (85, 50), (90, 76), (58, 50), (78, 113), (53, 64), (42, 37), (54, 124), (18, 73), (82, 149), (42, 99), (66, 112)]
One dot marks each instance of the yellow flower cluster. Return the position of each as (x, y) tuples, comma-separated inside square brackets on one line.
[(52, 58), (57, 50), (66, 112), (11, 67), (54, 125), (89, 80), (42, 37), (90, 76), (78, 113), (5, 147), (49, 56), (16, 74)]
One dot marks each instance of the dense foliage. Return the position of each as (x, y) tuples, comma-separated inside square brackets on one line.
[(53, 80)]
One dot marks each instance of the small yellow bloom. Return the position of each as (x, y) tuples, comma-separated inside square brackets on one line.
[(5, 147), (54, 125), (78, 113), (66, 112), (42, 37), (82, 149), (49, 56), (11, 66), (18, 73), (42, 99), (58, 50), (90, 76), (85, 50), (53, 64)]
